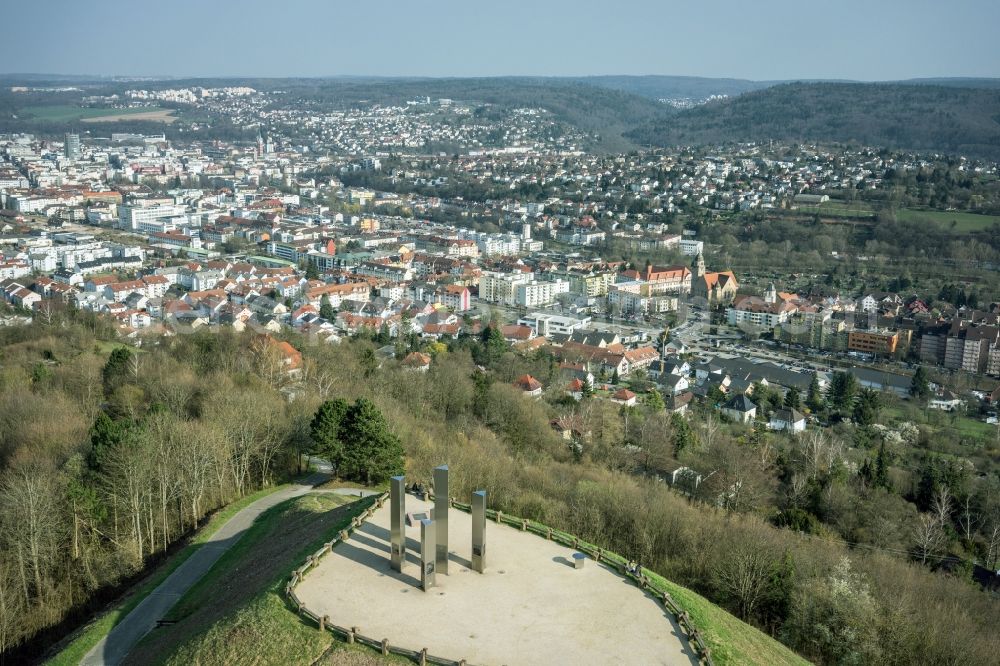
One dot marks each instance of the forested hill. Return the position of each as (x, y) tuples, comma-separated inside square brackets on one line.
[(666, 87), (603, 111), (915, 117)]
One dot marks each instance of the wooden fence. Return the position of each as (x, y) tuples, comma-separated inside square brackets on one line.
[(354, 635)]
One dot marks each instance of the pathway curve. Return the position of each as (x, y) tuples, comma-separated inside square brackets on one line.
[(112, 648)]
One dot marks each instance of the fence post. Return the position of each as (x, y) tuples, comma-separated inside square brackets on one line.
[(548, 533), (423, 657), (499, 517), (322, 623), (350, 635), (385, 646), (524, 524)]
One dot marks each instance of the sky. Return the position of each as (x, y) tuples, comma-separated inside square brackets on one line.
[(762, 40)]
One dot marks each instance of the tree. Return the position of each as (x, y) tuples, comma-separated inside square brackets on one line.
[(654, 401), (684, 437), (867, 407), (371, 452), (792, 399), (325, 431), (312, 272), (116, 370), (743, 574), (615, 378), (919, 385), (842, 389), (326, 309), (814, 399), (493, 346), (834, 619)]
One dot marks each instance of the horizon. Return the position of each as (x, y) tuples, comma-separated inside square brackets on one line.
[(54, 76), (889, 41)]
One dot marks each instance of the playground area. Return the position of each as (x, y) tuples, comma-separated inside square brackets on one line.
[(530, 606)]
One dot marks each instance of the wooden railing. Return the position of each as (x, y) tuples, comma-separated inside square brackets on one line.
[(609, 558)]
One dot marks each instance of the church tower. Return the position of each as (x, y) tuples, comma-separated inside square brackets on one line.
[(698, 267), (771, 295)]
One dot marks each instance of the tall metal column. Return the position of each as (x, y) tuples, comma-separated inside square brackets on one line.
[(427, 553), (479, 530), (441, 506), (397, 510)]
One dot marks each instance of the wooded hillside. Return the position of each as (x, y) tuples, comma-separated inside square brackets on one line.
[(911, 117)]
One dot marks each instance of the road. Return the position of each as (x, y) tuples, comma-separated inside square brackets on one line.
[(115, 646)]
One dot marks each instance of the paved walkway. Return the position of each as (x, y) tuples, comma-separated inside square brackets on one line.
[(113, 648), (529, 607)]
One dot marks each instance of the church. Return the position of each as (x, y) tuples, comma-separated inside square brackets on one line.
[(716, 288)]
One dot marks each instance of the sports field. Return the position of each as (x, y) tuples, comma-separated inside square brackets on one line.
[(68, 113)]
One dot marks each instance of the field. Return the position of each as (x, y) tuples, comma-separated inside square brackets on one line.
[(857, 209), (69, 113), (964, 222), (160, 116)]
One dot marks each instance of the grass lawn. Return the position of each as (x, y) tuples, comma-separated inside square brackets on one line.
[(840, 209), (964, 222), (973, 428), (731, 640), (238, 613), (99, 628), (67, 112)]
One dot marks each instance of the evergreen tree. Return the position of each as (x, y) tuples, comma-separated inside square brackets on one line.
[(814, 398), (326, 310), (654, 401), (312, 272), (919, 385), (880, 473), (325, 431), (116, 370), (371, 452), (867, 407), (615, 378), (105, 434), (684, 437), (369, 362), (493, 346), (715, 394), (843, 388), (793, 399)]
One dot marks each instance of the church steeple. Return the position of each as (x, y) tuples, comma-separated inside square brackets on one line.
[(698, 266)]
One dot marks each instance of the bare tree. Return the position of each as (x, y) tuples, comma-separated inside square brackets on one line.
[(928, 536), (941, 506), (744, 574), (31, 525)]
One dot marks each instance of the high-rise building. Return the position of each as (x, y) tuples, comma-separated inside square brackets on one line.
[(72, 146)]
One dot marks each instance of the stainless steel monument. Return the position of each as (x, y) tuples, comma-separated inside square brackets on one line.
[(427, 553), (441, 506), (479, 530), (397, 510)]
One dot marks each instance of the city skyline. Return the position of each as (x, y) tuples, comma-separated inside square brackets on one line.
[(888, 41)]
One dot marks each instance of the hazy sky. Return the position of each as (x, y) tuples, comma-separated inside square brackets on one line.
[(766, 39)]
